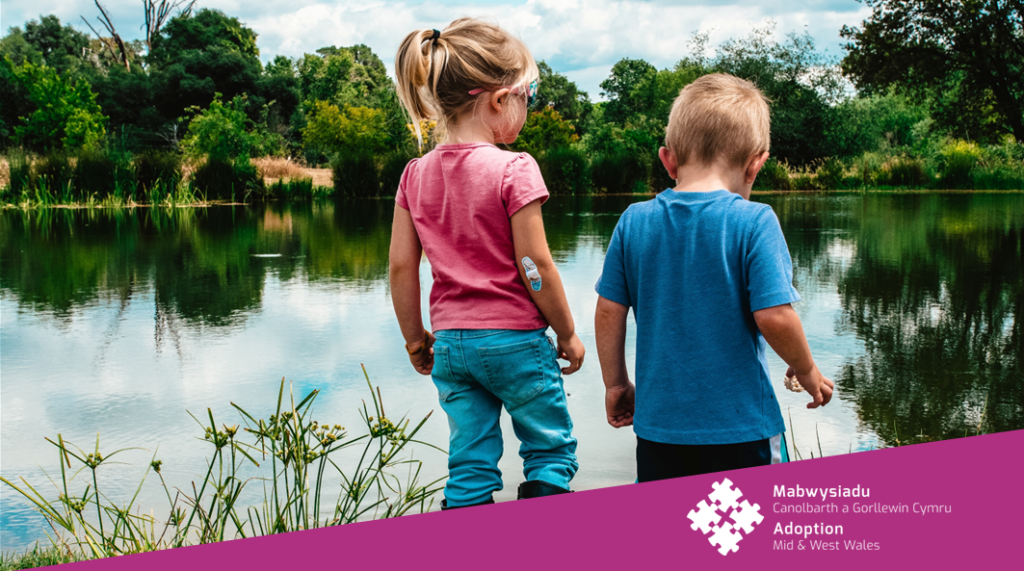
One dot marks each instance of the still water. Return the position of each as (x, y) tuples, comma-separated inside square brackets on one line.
[(118, 323)]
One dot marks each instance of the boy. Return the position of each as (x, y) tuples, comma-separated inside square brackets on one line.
[(709, 278)]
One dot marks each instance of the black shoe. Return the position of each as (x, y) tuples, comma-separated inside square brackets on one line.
[(539, 489), (444, 505)]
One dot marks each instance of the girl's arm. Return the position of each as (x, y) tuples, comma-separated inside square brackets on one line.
[(529, 241), (404, 274)]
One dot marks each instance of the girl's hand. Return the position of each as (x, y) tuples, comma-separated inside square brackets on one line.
[(422, 354), (571, 350)]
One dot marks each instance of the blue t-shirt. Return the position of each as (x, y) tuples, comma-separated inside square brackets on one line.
[(694, 266)]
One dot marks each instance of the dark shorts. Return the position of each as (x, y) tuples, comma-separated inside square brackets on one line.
[(658, 461)]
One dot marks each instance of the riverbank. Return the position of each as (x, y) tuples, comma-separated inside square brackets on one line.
[(107, 179)]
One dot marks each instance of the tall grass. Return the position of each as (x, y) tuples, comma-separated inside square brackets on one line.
[(292, 453)]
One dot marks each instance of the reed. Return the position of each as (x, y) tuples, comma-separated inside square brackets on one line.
[(292, 455)]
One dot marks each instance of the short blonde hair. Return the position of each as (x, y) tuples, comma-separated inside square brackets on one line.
[(718, 117), (437, 70)]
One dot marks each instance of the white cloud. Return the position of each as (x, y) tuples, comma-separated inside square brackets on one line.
[(581, 39)]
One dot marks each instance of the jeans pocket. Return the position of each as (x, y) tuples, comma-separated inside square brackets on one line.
[(515, 373), (442, 372)]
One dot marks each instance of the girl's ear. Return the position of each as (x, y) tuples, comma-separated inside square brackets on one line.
[(498, 99)]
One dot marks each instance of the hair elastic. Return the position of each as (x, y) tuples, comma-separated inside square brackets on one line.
[(437, 34)]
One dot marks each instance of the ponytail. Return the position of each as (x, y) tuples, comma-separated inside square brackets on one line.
[(436, 70)]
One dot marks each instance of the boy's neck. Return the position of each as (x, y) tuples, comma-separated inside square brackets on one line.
[(707, 178)]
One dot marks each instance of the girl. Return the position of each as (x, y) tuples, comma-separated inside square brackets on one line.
[(475, 210)]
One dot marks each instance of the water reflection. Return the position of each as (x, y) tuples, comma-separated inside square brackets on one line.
[(934, 287), (118, 321)]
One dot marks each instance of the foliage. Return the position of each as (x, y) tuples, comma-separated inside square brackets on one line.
[(958, 160), (566, 170), (300, 453), (923, 46), (391, 171), (556, 91), (332, 130), (218, 132), (355, 173), (196, 56), (222, 178), (65, 110), (773, 176), (154, 168), (106, 172), (545, 129)]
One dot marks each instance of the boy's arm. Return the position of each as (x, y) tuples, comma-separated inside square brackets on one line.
[(610, 329), (781, 328), (404, 274), (529, 241)]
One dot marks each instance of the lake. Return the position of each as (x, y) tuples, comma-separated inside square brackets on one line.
[(119, 322)]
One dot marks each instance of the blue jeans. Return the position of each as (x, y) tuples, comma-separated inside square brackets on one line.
[(478, 371)]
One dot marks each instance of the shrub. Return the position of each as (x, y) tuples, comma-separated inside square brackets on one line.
[(618, 170), (53, 175), (958, 160), (355, 174), (903, 171), (829, 174), (803, 181), (293, 189), (20, 171), (773, 176), (391, 171), (221, 179), (999, 177), (157, 168), (104, 173), (565, 170)]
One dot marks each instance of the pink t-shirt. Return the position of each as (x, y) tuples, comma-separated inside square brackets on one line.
[(461, 198)]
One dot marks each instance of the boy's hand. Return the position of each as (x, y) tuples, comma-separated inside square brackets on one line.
[(816, 385), (571, 350), (619, 404), (422, 355)]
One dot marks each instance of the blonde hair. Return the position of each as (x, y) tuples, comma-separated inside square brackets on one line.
[(718, 117), (436, 72)]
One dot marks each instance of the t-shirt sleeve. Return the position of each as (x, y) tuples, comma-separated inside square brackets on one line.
[(612, 284), (401, 199), (769, 267), (522, 184)]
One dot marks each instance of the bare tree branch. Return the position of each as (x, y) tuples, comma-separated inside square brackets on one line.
[(157, 14), (109, 25)]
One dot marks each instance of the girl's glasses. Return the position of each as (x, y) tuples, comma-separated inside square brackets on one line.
[(531, 91)]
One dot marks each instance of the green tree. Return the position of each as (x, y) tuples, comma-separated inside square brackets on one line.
[(325, 77), (196, 56), (219, 133), (556, 91), (65, 113), (629, 89), (60, 46), (918, 45), (544, 130), (357, 129)]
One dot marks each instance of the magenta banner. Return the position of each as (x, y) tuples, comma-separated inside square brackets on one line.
[(940, 505)]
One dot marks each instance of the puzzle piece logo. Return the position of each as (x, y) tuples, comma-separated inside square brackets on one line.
[(707, 518)]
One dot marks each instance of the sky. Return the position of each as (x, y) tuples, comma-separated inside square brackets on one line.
[(582, 40)]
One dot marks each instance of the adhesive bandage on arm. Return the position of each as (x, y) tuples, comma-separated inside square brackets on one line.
[(531, 273)]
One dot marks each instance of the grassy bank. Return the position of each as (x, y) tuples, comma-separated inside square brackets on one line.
[(288, 454), (112, 178)]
